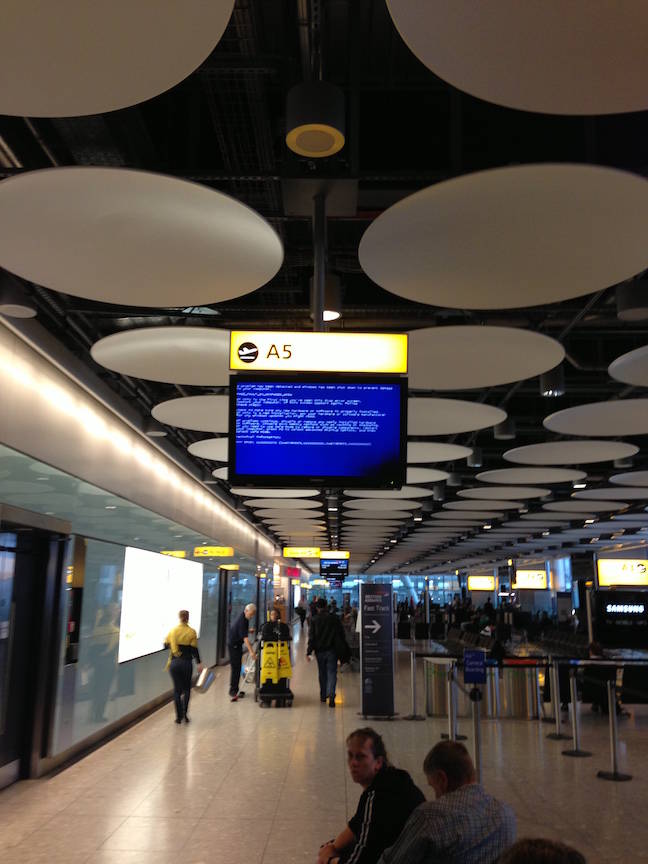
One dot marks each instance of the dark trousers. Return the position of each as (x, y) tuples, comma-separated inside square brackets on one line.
[(327, 668), (181, 669), (236, 658)]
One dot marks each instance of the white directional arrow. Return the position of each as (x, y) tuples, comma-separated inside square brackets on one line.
[(374, 626)]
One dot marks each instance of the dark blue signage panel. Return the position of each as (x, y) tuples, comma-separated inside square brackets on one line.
[(377, 651), (474, 666)]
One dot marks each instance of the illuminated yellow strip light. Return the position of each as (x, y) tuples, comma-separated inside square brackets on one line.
[(213, 551), (338, 554), (268, 351), (174, 553), (622, 571), (301, 552)]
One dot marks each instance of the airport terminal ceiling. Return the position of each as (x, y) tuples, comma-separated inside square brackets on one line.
[(407, 131)]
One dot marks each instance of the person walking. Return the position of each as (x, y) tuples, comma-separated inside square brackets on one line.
[(183, 644), (238, 634), (324, 638)]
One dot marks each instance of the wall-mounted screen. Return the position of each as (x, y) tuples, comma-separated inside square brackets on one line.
[(319, 431), (155, 588), (334, 568), (621, 618), (622, 571), (530, 579)]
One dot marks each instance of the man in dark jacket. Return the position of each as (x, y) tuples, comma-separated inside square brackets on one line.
[(389, 797), (324, 638)]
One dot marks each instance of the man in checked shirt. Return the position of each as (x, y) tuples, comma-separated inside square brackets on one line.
[(464, 825)]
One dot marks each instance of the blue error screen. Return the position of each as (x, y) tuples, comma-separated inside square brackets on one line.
[(318, 429)]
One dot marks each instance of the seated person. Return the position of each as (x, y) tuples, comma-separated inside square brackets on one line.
[(538, 850), (389, 796), (275, 630), (464, 825)]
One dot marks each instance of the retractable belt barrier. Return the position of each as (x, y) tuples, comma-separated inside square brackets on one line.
[(441, 670)]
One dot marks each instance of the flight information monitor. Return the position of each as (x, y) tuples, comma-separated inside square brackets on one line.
[(334, 568), (319, 431)]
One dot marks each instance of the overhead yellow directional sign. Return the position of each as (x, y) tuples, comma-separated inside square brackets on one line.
[(174, 553), (213, 551), (622, 571), (535, 579), (301, 552), (337, 555), (275, 351), (481, 583)]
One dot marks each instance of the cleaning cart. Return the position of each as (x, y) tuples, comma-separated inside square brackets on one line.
[(274, 671)]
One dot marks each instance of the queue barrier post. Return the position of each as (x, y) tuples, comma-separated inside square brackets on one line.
[(475, 699), (414, 715), (614, 774), (451, 688), (575, 750), (555, 701)]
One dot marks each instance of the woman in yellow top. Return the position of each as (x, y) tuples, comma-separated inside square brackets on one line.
[(183, 642)]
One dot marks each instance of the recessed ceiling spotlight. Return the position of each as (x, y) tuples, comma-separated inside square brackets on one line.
[(579, 485), (487, 527), (546, 533), (111, 507), (393, 541), (418, 518), (504, 431), (315, 119), (552, 383), (475, 458), (632, 300), (590, 521)]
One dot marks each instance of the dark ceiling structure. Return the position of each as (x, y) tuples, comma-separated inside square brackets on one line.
[(224, 127)]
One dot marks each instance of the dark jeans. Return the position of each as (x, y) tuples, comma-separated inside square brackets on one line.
[(181, 669), (327, 668), (236, 658)]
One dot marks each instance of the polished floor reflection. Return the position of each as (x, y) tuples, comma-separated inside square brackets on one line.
[(259, 787)]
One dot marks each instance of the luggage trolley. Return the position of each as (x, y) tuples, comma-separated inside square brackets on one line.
[(271, 684)]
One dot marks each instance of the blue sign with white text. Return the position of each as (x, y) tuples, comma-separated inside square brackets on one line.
[(474, 667)]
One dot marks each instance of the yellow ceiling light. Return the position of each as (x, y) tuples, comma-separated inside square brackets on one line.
[(315, 119)]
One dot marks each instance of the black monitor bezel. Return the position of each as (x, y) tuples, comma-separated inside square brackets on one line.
[(278, 481), (340, 576)]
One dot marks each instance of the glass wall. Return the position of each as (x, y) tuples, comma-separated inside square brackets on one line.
[(93, 688), (242, 590)]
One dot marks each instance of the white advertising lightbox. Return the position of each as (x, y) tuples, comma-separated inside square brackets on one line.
[(155, 588)]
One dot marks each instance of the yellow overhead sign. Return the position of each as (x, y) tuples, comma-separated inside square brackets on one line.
[(229, 566), (534, 579), (481, 583), (213, 551), (336, 554), (622, 571), (301, 552), (174, 553), (274, 351)]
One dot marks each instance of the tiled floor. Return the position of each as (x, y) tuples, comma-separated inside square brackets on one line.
[(244, 785)]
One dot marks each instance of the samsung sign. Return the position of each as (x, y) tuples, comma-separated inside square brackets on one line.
[(625, 608)]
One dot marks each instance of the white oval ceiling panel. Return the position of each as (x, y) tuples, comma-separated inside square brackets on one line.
[(551, 519), (474, 514), (503, 493), (381, 504), (392, 494), (631, 368), (89, 58), (581, 57), (611, 493), (273, 493), (220, 473), (631, 478), (355, 520), (633, 517), (210, 448), (277, 514), (511, 237), (425, 475), (283, 503), (379, 514), (460, 519), (470, 357), (449, 416), (524, 527), (570, 452), (592, 506), (531, 475), (481, 504), (431, 451), (200, 413), (613, 417), (133, 237), (174, 355)]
